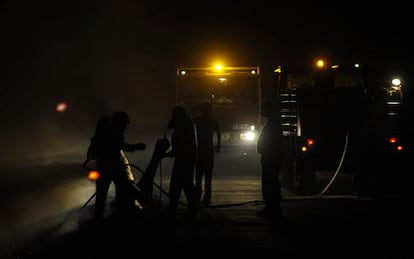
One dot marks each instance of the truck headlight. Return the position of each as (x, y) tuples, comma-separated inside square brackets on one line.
[(248, 135)]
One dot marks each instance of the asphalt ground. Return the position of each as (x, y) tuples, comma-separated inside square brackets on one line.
[(46, 211), (330, 225)]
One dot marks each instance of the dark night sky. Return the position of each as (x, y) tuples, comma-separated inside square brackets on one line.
[(101, 56)]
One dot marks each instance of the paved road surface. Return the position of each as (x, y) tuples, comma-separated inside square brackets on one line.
[(46, 212)]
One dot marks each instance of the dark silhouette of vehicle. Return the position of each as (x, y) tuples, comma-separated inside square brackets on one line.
[(336, 120), (233, 92)]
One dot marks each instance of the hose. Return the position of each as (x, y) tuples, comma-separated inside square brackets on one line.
[(255, 202), (338, 168)]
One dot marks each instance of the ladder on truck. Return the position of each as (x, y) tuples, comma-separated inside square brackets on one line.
[(288, 112)]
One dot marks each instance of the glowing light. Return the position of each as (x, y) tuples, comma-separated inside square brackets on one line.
[(396, 82), (310, 141), (304, 148), (392, 140), (320, 63), (278, 69), (93, 175), (222, 79), (218, 67), (400, 147), (249, 136), (61, 107)]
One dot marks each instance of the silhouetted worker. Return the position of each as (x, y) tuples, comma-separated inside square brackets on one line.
[(107, 146), (206, 127), (183, 149), (269, 145)]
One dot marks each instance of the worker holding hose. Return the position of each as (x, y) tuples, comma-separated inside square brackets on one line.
[(107, 147)]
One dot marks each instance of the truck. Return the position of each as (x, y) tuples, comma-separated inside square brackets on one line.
[(233, 92), (337, 122)]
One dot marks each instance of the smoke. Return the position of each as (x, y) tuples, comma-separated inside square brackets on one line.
[(97, 59), (100, 57)]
